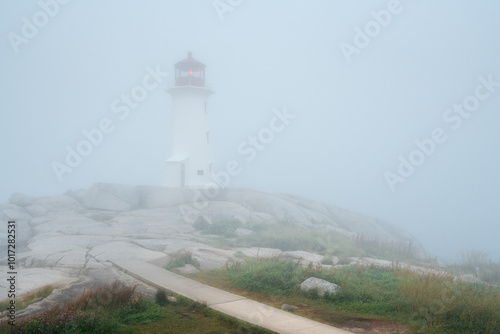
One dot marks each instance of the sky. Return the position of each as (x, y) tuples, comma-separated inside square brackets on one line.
[(392, 106)]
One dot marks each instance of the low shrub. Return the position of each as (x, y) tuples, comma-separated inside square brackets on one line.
[(161, 297), (224, 228), (327, 260), (110, 296), (432, 302), (284, 237), (389, 250), (438, 304), (180, 259)]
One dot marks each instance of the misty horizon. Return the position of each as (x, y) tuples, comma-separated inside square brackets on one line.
[(385, 108)]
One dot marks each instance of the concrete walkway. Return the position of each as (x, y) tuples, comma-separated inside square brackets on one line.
[(236, 306)]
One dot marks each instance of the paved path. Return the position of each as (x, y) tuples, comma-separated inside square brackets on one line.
[(236, 306)]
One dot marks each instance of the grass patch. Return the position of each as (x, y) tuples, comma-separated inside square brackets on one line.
[(267, 275), (180, 259), (388, 250), (478, 264), (140, 311), (289, 237), (29, 298), (284, 237), (438, 304), (327, 260), (68, 322), (431, 302)]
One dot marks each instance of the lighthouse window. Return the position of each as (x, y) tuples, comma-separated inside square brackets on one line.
[(200, 172)]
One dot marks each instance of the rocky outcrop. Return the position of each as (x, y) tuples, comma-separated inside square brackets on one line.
[(85, 229), (110, 197)]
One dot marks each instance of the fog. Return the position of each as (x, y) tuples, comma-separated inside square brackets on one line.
[(393, 106)]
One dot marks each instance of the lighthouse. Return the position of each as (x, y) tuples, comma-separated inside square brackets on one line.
[(190, 162)]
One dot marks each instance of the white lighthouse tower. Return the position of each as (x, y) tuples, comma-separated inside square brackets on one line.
[(190, 162)]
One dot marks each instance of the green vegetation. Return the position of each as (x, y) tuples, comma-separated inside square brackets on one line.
[(118, 309), (67, 322), (488, 271), (438, 304), (398, 250), (29, 299), (269, 275), (290, 237), (327, 260), (430, 302), (180, 259), (161, 297)]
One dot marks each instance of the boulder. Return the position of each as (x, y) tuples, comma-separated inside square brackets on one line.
[(20, 199), (36, 210), (113, 197), (119, 250), (13, 212), (322, 286), (210, 258), (58, 203)]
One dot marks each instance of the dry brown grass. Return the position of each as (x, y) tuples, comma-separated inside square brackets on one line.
[(441, 304), (30, 298), (114, 295)]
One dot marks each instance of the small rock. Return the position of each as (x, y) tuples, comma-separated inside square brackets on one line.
[(354, 330), (243, 231), (172, 299), (290, 308), (188, 269), (322, 286)]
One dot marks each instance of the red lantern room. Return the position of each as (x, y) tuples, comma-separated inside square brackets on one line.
[(189, 72)]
